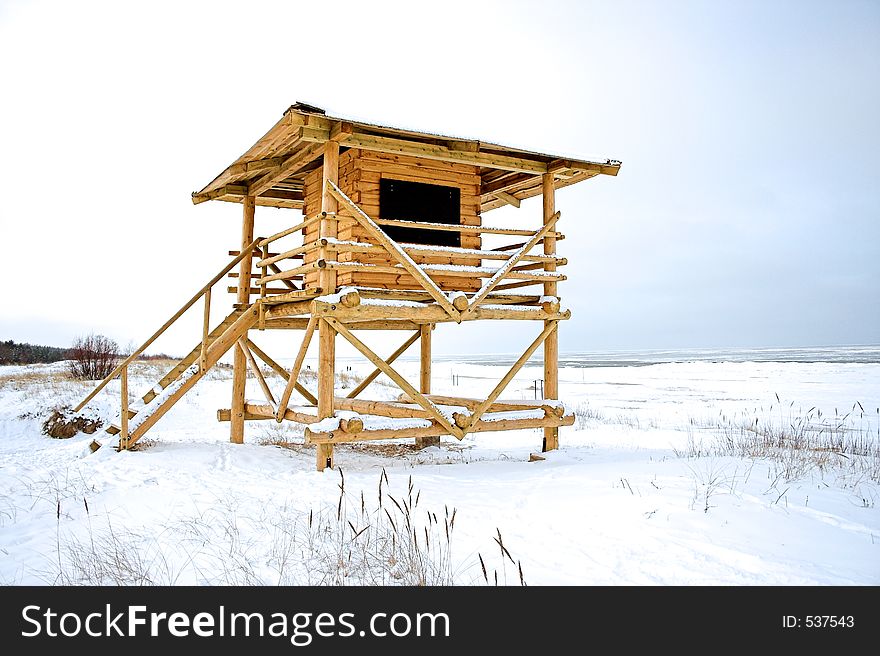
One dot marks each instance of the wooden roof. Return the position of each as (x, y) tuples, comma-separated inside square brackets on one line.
[(273, 169)]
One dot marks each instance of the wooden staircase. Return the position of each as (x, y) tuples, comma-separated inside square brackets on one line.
[(131, 425), (175, 373), (183, 377)]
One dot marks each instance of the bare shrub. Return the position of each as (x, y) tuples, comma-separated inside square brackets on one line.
[(93, 357)]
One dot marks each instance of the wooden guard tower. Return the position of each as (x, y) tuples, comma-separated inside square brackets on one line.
[(389, 235)]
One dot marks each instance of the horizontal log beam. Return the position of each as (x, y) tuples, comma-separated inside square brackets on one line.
[(406, 295), (483, 426), (380, 408), (300, 323), (431, 270), (296, 228), (464, 229), (256, 412), (429, 313), (557, 410), (444, 154), (431, 251)]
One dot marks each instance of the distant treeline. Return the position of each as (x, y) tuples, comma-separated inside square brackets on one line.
[(15, 353)]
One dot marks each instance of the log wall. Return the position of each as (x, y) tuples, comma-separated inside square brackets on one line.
[(360, 172)]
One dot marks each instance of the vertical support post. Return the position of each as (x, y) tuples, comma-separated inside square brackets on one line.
[(425, 377), (239, 365), (327, 282), (551, 344), (326, 380), (123, 433)]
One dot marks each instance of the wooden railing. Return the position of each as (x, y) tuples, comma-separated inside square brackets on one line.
[(518, 266), (121, 369)]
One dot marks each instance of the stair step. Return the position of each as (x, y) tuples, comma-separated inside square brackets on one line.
[(113, 429)]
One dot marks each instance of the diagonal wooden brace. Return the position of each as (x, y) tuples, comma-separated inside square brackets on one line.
[(503, 383), (242, 344), (297, 365), (391, 358), (499, 275), (395, 251), (415, 395), (281, 371)]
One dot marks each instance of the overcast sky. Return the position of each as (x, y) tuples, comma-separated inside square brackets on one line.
[(746, 213)]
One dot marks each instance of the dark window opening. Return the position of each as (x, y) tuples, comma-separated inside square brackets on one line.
[(417, 201)]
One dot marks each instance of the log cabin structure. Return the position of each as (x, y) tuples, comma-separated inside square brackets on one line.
[(387, 232)]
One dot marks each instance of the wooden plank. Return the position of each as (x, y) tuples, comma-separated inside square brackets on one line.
[(341, 131), (460, 272), (289, 231), (294, 371), (576, 165), (455, 252), (502, 384), (517, 285), (507, 198), (296, 295), (482, 229), (203, 197), (289, 254), (397, 378), (290, 196), (300, 323), (291, 165), (496, 406), (235, 172), (255, 412), (380, 408), (405, 260), (444, 154), (374, 171), (371, 157), (431, 313), (505, 183), (407, 295), (389, 360), (339, 437), (405, 281), (272, 292)]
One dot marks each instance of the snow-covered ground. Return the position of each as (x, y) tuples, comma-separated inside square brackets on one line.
[(641, 492)]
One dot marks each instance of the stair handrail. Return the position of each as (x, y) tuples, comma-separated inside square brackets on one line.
[(248, 250)]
